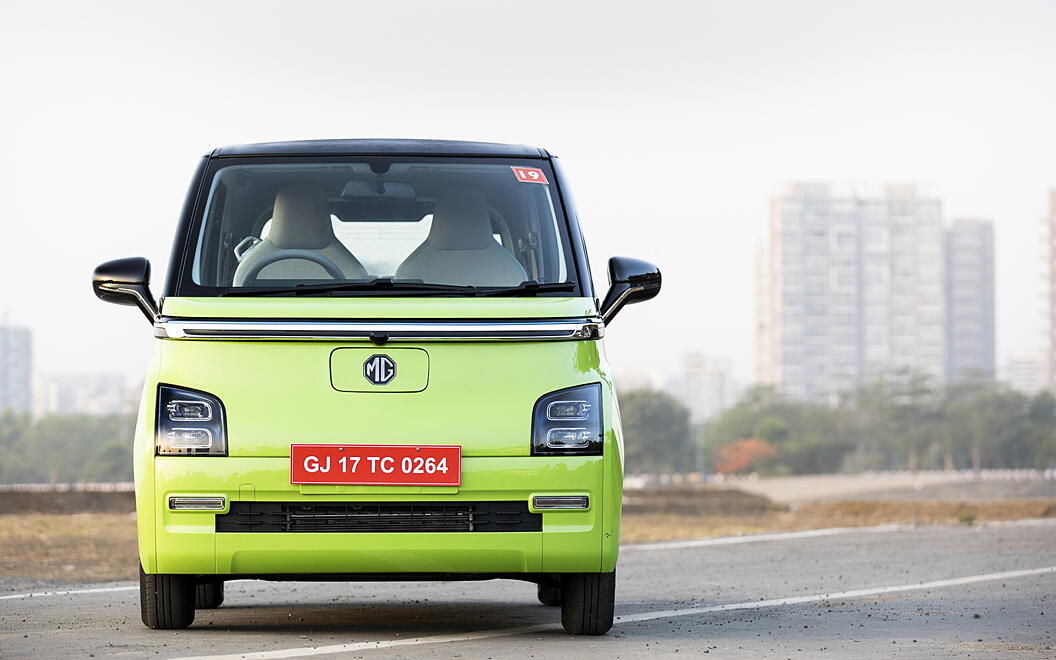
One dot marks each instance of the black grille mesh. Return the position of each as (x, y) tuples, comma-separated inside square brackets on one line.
[(379, 517)]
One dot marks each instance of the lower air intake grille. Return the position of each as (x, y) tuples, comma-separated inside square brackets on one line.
[(379, 517)]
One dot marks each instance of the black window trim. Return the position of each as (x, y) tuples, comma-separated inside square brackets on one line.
[(179, 284)]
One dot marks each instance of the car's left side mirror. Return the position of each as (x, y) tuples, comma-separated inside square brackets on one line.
[(630, 281), (126, 282)]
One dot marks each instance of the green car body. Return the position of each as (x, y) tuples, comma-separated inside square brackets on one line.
[(276, 390), (470, 401)]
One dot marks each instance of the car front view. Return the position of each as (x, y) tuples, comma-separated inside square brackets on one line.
[(378, 360)]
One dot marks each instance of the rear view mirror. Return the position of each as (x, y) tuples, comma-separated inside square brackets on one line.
[(630, 281), (126, 282)]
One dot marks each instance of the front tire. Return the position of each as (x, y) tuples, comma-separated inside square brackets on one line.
[(588, 603), (166, 602), (209, 595)]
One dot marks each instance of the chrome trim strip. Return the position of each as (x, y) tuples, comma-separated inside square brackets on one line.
[(178, 503), (143, 303), (618, 304), (381, 331), (561, 502)]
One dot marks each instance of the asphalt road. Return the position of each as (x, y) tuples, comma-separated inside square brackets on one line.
[(929, 592)]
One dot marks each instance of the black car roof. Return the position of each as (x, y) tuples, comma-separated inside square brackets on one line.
[(379, 147)]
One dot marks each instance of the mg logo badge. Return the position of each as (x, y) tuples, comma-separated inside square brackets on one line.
[(379, 369)]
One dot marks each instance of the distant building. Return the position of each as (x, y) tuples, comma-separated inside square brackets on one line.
[(705, 386), (639, 380), (16, 368), (90, 394), (1027, 373), (970, 299), (851, 285)]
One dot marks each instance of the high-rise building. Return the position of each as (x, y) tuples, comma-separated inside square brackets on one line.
[(16, 368), (635, 379), (1027, 372), (970, 299), (90, 394), (704, 386), (852, 285)]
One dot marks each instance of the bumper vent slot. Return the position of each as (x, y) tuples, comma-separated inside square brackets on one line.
[(379, 517)]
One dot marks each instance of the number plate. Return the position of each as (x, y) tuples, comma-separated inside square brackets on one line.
[(376, 465)]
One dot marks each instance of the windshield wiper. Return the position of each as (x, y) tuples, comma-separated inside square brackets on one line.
[(387, 284), (529, 287), (380, 284)]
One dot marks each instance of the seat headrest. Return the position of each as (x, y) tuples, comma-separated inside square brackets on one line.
[(301, 218), (461, 220)]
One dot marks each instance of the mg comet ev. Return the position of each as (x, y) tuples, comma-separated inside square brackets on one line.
[(378, 360)]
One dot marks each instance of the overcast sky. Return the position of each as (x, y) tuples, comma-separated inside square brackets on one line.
[(675, 121)]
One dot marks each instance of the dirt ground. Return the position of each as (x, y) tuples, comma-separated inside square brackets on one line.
[(79, 547), (101, 547), (645, 528)]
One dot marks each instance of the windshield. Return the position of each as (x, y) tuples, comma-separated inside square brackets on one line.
[(418, 226)]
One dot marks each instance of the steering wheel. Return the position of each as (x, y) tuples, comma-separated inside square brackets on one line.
[(282, 255)]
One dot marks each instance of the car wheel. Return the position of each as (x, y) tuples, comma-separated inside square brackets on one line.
[(549, 593), (209, 595), (166, 602), (588, 602)]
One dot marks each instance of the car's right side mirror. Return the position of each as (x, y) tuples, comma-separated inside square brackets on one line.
[(630, 281)]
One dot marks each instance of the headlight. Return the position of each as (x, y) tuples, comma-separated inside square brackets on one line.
[(568, 422), (190, 423)]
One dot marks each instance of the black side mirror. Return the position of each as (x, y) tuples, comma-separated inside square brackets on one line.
[(126, 282), (630, 281)]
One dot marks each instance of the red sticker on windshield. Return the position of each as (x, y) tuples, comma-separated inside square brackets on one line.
[(529, 174)]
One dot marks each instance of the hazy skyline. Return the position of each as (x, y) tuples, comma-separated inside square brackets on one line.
[(676, 125)]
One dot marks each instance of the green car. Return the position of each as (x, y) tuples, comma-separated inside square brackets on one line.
[(378, 360)]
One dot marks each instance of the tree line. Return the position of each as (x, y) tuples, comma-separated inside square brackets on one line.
[(65, 448), (902, 420)]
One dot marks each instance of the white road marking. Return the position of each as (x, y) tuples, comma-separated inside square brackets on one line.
[(630, 618), (769, 536), (380, 644), (838, 595), (676, 545), (814, 533), (1024, 522), (100, 590)]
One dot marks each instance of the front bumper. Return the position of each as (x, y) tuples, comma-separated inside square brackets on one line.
[(187, 541)]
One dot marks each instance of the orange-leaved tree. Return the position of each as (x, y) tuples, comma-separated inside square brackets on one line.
[(744, 455)]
